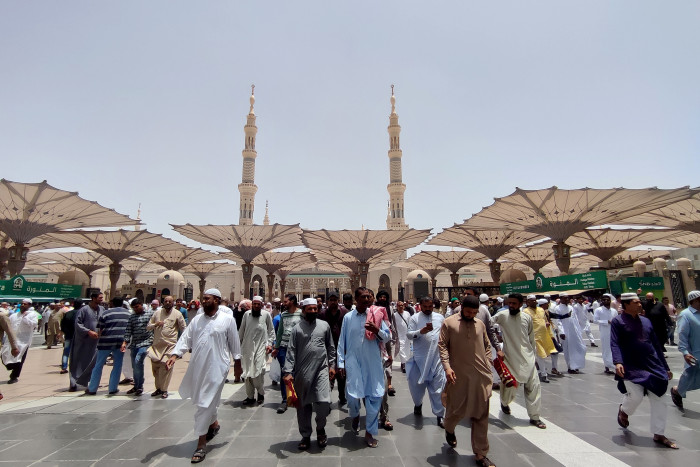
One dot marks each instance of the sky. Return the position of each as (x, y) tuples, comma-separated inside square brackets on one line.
[(144, 102)]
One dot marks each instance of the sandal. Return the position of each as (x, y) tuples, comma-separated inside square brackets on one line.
[(664, 441), (485, 462), (676, 398), (371, 442), (391, 391), (198, 456), (538, 423), (213, 431), (622, 419), (451, 439), (164, 395), (304, 444), (386, 424), (322, 440)]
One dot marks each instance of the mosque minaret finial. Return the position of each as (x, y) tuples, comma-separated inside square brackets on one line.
[(247, 187), (266, 220), (396, 188)]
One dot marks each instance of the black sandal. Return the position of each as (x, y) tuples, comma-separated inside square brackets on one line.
[(451, 439), (198, 456), (391, 391), (322, 440), (356, 425), (623, 422), (212, 432), (538, 423), (664, 441), (304, 444)]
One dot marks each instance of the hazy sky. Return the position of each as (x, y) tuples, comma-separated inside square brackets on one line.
[(134, 102)]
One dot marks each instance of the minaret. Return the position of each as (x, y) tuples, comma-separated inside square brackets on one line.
[(247, 187), (396, 188), (266, 220)]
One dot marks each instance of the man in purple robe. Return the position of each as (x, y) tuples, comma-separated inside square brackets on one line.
[(640, 367)]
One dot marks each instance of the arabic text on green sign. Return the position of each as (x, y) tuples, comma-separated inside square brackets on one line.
[(18, 286), (645, 283), (585, 281)]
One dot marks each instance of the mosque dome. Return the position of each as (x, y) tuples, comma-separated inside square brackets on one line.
[(513, 275), (170, 276), (417, 274)]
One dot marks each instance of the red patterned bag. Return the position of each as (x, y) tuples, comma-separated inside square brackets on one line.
[(292, 399), (504, 373)]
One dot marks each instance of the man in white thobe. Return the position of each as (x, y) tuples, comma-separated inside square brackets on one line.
[(603, 316), (213, 337), (582, 315), (400, 319), (257, 336), (23, 324), (424, 369), (569, 334), (360, 361), (519, 349)]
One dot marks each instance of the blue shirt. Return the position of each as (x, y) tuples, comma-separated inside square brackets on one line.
[(688, 325), (112, 325)]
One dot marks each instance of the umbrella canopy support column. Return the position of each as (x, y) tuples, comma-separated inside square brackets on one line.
[(454, 277), (247, 275), (562, 256), (4, 255), (17, 258), (363, 267), (202, 285), (270, 285), (115, 270), (495, 268)]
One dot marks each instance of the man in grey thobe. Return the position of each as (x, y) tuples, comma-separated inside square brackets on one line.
[(310, 364), (83, 349)]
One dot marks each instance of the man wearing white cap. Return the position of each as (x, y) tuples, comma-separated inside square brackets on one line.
[(23, 324), (485, 316), (570, 334), (310, 365), (640, 367), (603, 316), (212, 336), (689, 346), (544, 345), (582, 315), (257, 336)]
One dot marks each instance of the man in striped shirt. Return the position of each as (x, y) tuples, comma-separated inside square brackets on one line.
[(111, 326), (138, 338)]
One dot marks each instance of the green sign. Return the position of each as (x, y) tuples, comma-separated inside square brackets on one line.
[(541, 284), (644, 283), (19, 287)]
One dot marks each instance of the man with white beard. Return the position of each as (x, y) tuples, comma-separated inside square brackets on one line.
[(570, 334), (603, 316)]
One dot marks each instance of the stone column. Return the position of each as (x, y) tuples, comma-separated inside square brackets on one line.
[(115, 270), (247, 276), (454, 277), (270, 286), (202, 285)]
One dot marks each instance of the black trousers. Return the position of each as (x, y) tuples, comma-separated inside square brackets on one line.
[(16, 368)]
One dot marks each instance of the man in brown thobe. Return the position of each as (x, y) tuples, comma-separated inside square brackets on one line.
[(465, 353), (165, 324)]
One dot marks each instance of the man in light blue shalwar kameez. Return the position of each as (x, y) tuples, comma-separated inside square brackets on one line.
[(688, 324), (424, 370), (360, 358)]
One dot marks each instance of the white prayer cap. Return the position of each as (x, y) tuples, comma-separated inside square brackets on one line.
[(547, 296), (213, 292), (309, 301), (483, 298), (693, 295), (542, 301), (258, 298), (629, 296), (67, 304), (27, 300), (500, 300), (608, 295), (531, 297), (563, 295)]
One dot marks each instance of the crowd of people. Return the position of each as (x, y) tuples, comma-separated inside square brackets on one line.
[(457, 356)]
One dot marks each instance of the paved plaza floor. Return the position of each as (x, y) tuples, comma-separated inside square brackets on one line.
[(43, 424)]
